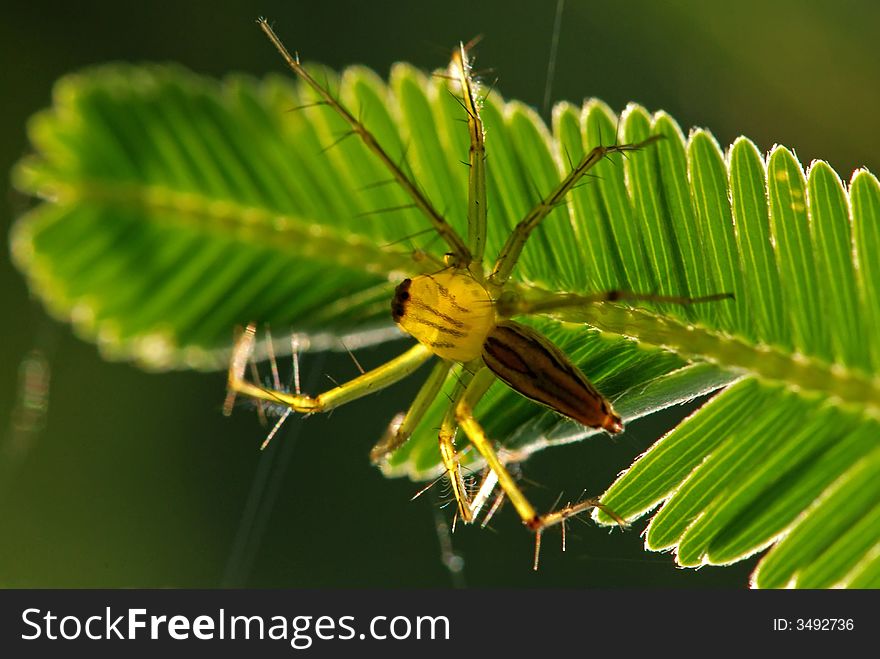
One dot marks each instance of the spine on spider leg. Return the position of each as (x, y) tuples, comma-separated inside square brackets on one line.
[(537, 369)]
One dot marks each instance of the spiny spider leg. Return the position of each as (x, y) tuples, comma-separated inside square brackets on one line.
[(401, 429), (509, 254), (459, 250), (494, 508), (548, 303), (446, 439), (464, 413), (371, 381), (476, 161)]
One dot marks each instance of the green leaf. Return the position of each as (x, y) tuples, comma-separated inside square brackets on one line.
[(175, 208), (746, 471)]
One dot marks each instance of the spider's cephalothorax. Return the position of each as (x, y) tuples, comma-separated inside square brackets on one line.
[(449, 312), (454, 317)]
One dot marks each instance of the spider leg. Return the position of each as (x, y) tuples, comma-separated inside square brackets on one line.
[(460, 251), (512, 249), (446, 439), (468, 508), (401, 429), (477, 436), (476, 214), (474, 431), (367, 383), (552, 302)]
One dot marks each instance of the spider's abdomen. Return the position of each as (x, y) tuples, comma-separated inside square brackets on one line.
[(449, 312), (537, 369)]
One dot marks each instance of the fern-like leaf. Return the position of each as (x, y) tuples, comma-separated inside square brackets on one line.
[(176, 207)]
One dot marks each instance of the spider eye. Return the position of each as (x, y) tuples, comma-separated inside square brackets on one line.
[(398, 302)]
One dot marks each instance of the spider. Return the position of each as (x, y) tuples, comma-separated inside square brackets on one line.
[(463, 314)]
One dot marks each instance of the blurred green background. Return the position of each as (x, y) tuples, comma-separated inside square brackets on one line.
[(134, 479)]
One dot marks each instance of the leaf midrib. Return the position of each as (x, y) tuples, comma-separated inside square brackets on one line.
[(844, 387), (267, 226)]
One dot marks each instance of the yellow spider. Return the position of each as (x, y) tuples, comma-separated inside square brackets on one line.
[(462, 314)]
